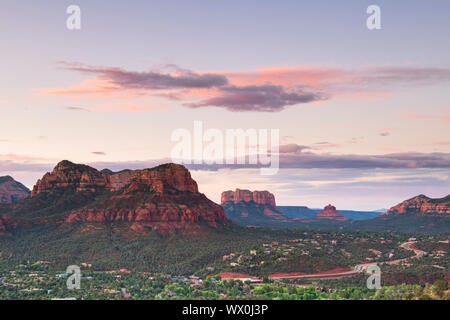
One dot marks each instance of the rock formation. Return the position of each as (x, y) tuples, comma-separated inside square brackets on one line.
[(118, 179), (261, 197), (74, 176), (251, 207), (162, 197), (330, 213), (12, 191), (422, 205)]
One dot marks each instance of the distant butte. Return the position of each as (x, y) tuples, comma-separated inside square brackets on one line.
[(330, 212)]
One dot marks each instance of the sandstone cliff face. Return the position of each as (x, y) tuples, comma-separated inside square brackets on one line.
[(250, 207), (12, 191), (260, 197), (330, 213), (69, 175), (163, 196), (169, 178), (423, 205), (120, 179)]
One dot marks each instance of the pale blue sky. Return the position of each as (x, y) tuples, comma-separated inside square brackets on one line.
[(409, 107)]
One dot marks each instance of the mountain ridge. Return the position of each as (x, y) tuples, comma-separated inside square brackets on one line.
[(423, 205), (164, 197), (11, 190)]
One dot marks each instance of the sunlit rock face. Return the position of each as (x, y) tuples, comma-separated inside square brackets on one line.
[(423, 205), (330, 212)]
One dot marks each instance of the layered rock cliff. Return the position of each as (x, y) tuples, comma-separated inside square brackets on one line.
[(68, 175), (118, 179), (247, 207), (165, 197), (422, 205), (261, 197), (12, 191), (330, 213)]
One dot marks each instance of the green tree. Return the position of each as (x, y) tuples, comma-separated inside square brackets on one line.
[(439, 287), (425, 297)]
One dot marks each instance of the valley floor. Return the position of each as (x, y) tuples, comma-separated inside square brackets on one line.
[(277, 265)]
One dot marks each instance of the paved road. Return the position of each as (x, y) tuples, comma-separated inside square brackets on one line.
[(358, 268), (405, 245), (318, 275), (408, 246)]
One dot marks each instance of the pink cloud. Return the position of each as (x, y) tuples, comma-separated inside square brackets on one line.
[(263, 90), (415, 116), (126, 106), (95, 88), (442, 143), (324, 145), (19, 157), (290, 76)]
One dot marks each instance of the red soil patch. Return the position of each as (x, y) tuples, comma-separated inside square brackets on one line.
[(124, 271), (335, 270)]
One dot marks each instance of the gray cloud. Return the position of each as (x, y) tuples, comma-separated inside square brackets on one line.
[(305, 160), (267, 96), (263, 98), (77, 109), (403, 75), (399, 160), (183, 79), (292, 148), (310, 160), (7, 166)]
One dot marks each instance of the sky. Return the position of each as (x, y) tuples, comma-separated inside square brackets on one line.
[(363, 115)]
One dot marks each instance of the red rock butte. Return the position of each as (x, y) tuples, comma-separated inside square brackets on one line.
[(69, 175), (164, 198), (261, 197), (423, 205), (330, 212)]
